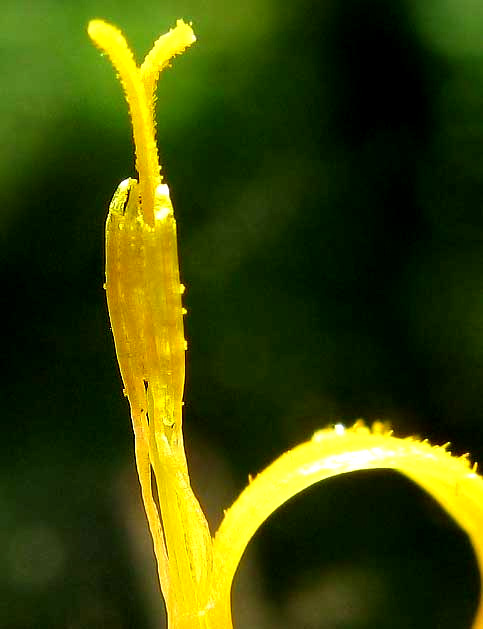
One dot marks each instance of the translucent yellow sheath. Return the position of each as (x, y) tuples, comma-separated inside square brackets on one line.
[(144, 299)]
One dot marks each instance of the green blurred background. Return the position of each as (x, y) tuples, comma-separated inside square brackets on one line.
[(326, 164)]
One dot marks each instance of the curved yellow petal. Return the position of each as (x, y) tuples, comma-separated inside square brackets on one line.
[(451, 480)]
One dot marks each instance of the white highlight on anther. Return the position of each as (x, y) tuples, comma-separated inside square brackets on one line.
[(162, 190), (124, 184), (162, 203), (163, 213)]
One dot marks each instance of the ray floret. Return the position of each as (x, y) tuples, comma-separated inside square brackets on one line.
[(144, 292)]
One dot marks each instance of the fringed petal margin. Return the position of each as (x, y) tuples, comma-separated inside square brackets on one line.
[(450, 480)]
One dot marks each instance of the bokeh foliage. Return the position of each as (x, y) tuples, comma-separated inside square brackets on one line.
[(326, 165)]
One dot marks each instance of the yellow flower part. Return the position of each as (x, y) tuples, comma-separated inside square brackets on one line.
[(143, 289)]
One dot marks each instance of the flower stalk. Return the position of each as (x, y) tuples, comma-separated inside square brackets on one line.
[(144, 292)]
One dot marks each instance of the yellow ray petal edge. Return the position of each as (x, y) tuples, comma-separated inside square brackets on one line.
[(451, 480)]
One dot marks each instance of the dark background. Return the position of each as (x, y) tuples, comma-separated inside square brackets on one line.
[(325, 161)]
